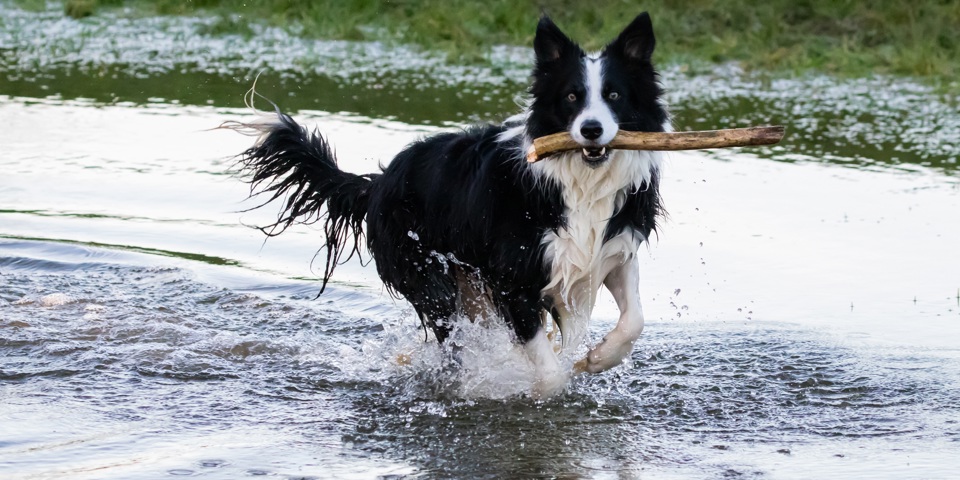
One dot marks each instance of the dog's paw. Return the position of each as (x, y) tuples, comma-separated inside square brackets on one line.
[(404, 359), (607, 354), (549, 385)]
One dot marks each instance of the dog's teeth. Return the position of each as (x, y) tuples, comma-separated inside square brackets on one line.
[(603, 151), (586, 152)]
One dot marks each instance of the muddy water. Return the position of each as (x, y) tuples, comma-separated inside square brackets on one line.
[(803, 301)]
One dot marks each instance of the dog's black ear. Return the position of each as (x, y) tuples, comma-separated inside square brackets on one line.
[(550, 43), (636, 42)]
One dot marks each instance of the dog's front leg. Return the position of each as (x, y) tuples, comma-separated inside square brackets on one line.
[(624, 283), (523, 310), (550, 375)]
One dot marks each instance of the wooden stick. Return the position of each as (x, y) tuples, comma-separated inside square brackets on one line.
[(734, 137)]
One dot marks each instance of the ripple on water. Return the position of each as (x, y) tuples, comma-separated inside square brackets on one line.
[(153, 352)]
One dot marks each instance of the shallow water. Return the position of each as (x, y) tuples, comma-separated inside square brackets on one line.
[(125, 365), (803, 301)]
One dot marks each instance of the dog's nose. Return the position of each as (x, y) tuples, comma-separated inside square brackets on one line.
[(591, 129)]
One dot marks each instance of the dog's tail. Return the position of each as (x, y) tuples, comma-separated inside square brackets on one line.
[(290, 163)]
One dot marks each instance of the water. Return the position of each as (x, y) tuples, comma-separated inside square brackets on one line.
[(802, 300)]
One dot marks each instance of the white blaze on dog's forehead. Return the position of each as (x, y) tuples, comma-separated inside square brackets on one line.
[(596, 107)]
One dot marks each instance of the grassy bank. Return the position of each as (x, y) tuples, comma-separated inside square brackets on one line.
[(919, 38)]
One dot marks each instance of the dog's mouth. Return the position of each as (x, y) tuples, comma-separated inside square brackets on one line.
[(594, 156)]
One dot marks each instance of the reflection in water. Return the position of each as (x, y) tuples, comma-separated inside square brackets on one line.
[(864, 123), (169, 354), (151, 356), (860, 122), (437, 105)]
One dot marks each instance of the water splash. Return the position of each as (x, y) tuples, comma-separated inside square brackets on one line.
[(145, 350)]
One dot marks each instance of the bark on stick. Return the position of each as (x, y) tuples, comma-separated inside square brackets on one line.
[(734, 137)]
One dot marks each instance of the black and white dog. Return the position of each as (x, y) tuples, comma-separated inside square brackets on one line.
[(460, 224)]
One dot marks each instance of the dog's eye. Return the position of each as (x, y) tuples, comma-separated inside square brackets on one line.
[(571, 97), (613, 95)]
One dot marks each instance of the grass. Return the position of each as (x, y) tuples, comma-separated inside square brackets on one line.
[(846, 37)]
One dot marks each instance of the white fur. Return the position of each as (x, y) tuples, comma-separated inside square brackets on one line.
[(623, 281), (579, 260), (516, 126), (550, 375), (596, 107), (578, 257)]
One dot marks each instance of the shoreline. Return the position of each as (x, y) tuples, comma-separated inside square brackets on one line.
[(915, 41)]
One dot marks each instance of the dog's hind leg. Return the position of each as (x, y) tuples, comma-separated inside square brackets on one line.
[(624, 283), (433, 296), (429, 287), (474, 298)]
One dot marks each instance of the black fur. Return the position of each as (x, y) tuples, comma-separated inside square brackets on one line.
[(463, 194), (300, 167), (462, 209)]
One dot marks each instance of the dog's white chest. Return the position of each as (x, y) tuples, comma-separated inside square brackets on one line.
[(575, 252), (578, 258)]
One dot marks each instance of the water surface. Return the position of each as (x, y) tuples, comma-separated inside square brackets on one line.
[(803, 301)]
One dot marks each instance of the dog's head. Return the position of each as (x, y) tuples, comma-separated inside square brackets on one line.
[(595, 96)]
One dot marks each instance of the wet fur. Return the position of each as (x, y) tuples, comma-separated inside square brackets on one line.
[(459, 223)]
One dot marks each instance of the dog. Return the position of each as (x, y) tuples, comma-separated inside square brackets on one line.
[(460, 224)]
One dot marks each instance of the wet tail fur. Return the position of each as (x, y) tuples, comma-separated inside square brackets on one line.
[(289, 162)]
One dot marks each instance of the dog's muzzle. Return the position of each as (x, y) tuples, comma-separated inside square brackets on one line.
[(594, 156)]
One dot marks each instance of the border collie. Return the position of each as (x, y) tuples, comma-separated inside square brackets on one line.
[(460, 224)]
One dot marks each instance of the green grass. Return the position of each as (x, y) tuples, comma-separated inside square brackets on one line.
[(845, 37)]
